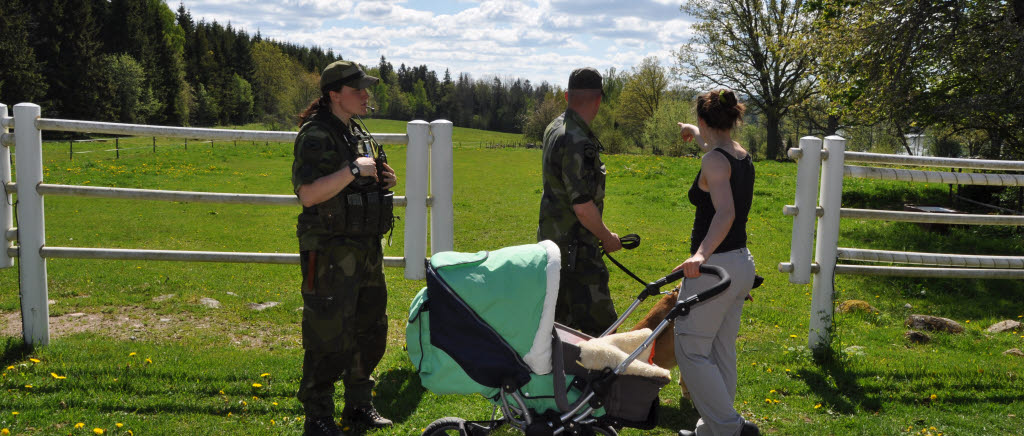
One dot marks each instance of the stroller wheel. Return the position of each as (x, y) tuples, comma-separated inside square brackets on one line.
[(447, 426)]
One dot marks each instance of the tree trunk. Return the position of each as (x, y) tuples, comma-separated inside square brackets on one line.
[(833, 125), (774, 144)]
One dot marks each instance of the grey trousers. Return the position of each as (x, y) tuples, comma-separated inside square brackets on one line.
[(705, 344)]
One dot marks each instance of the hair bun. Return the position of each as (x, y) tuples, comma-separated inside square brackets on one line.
[(727, 98)]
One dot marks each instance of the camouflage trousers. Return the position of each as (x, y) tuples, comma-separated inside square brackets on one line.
[(584, 300), (344, 322)]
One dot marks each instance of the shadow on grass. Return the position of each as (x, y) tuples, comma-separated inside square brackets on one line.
[(399, 393), (13, 350), (676, 416), (837, 386)]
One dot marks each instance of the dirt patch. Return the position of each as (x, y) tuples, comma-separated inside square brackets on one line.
[(135, 323)]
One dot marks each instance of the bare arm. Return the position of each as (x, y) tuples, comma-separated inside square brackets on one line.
[(323, 188), (590, 217)]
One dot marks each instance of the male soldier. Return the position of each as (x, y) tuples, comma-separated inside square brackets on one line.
[(571, 208), (347, 207)]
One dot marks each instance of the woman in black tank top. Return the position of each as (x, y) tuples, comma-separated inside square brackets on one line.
[(705, 341)]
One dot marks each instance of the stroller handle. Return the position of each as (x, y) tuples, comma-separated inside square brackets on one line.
[(683, 307)]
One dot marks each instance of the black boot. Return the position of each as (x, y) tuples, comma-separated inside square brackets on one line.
[(749, 429), (322, 426), (366, 415)]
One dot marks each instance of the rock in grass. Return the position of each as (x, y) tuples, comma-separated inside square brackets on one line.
[(856, 305), (261, 306), (209, 302), (933, 323), (917, 337), (1004, 326), (1014, 352)]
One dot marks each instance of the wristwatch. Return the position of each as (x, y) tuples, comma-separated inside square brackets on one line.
[(354, 168)]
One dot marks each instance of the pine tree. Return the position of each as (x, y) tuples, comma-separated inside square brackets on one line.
[(21, 78)]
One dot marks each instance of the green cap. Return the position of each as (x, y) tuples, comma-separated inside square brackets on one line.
[(585, 78), (345, 73)]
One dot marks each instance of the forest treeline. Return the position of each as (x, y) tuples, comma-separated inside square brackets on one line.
[(876, 72), (137, 61)]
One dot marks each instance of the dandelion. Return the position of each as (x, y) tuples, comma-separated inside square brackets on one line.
[(771, 391), (80, 425), (97, 430), (5, 432), (272, 422), (132, 354), (10, 367), (119, 425), (933, 397), (28, 386), (15, 413), (148, 360), (274, 403), (58, 377), (817, 406), (34, 360), (265, 374), (229, 414), (792, 336), (130, 433), (222, 391), (257, 385)]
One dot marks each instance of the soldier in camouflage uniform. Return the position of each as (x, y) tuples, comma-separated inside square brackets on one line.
[(341, 188), (572, 205)]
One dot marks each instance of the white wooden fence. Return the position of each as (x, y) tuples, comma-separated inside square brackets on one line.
[(428, 164), (828, 211)]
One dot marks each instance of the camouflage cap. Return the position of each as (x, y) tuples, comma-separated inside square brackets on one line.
[(345, 73), (585, 78)]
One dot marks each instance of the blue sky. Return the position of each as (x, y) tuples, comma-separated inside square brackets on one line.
[(537, 40)]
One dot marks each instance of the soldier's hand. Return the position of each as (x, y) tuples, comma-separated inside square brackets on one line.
[(612, 244), (390, 179), (367, 167)]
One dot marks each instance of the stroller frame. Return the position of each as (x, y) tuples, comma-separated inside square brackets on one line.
[(578, 418)]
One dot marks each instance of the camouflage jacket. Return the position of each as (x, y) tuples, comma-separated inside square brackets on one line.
[(324, 145), (573, 174)]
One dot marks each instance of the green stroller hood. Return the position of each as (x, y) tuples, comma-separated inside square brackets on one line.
[(485, 318)]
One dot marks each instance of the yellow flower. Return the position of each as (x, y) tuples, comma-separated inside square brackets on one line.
[(58, 377), (119, 425), (257, 385), (272, 422), (97, 430), (265, 374), (274, 403), (222, 392), (792, 336), (148, 360), (10, 367), (5, 432), (968, 321), (28, 386), (80, 425), (132, 354), (933, 396), (130, 433), (817, 406), (34, 360), (229, 413), (15, 413)]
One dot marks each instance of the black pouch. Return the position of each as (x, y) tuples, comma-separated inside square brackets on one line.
[(373, 207), (571, 251), (387, 212), (355, 214)]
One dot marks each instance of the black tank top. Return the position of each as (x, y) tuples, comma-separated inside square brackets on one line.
[(741, 180)]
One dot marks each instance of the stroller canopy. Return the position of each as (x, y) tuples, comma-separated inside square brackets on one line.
[(485, 319)]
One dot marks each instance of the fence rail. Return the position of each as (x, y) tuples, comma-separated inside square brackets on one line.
[(428, 166), (827, 211)]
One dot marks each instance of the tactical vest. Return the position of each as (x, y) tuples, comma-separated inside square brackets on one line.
[(364, 207)]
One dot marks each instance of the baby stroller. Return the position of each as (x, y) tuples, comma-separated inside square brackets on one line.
[(484, 324)]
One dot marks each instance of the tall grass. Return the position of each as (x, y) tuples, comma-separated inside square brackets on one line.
[(134, 345)]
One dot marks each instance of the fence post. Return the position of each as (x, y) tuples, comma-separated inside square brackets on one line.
[(417, 159), (442, 211), (831, 200), (808, 158), (154, 144), (6, 205), (71, 150), (31, 227), (117, 148)]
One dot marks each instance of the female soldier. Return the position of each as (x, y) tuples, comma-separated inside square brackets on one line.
[(705, 342), (343, 186)]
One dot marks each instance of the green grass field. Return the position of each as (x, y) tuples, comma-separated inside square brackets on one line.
[(133, 349)]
